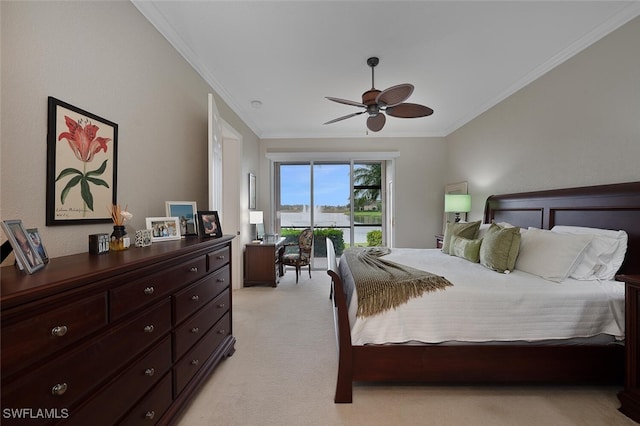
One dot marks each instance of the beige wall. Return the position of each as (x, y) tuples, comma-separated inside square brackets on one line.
[(577, 125), (106, 58)]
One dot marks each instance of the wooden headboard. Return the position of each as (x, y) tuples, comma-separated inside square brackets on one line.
[(604, 206)]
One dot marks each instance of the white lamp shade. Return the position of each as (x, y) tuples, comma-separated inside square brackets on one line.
[(457, 203), (255, 217)]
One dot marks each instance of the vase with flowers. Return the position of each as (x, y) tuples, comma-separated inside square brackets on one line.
[(119, 238)]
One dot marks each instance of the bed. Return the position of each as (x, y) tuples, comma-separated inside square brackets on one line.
[(593, 361)]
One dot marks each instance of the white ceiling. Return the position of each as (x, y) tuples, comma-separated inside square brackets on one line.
[(463, 57)]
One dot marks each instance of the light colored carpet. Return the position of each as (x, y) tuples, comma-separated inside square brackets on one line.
[(284, 370)]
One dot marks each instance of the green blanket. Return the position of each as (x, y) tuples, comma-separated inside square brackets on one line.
[(382, 284)]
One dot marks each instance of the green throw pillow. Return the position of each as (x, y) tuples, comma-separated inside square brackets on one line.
[(466, 248), (500, 248), (461, 229)]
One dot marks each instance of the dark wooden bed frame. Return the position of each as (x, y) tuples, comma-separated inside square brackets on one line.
[(606, 206)]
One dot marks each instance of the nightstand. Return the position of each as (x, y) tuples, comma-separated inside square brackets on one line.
[(439, 239), (630, 396), (262, 263)]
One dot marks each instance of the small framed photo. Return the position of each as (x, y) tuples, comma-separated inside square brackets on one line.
[(209, 224), (27, 256), (164, 228), (34, 235), (186, 212)]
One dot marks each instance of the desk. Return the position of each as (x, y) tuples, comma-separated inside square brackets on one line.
[(262, 263)]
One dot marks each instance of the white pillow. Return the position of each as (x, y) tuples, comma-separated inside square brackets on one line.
[(550, 255), (603, 257)]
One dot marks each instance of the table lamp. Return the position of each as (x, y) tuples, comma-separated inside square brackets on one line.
[(256, 218), (457, 203)]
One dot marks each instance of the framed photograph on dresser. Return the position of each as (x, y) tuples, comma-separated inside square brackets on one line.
[(164, 228), (36, 240), (27, 256), (186, 212), (209, 224)]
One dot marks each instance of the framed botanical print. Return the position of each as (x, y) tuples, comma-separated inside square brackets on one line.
[(82, 155)]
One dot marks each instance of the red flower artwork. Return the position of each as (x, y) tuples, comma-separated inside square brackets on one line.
[(84, 144)]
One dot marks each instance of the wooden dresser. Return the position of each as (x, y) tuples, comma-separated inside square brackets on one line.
[(630, 396), (120, 338)]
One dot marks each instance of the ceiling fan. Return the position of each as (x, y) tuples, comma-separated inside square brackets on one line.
[(390, 101)]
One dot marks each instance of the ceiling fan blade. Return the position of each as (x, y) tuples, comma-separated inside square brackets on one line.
[(346, 102), (408, 110), (375, 123), (395, 94), (344, 117)]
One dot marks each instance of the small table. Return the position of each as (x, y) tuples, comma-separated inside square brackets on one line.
[(262, 263)]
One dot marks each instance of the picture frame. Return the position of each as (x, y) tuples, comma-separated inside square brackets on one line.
[(36, 240), (81, 176), (27, 257), (186, 212), (164, 228), (209, 224), (252, 191)]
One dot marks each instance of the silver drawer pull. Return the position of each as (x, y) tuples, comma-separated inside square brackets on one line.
[(59, 330), (195, 298), (195, 330), (222, 331), (149, 329), (221, 257), (149, 290), (195, 362), (220, 280), (149, 372), (59, 389), (193, 269), (150, 415), (221, 305)]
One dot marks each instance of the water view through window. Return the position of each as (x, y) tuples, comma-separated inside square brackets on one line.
[(320, 195)]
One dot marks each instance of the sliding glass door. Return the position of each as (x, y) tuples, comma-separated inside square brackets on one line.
[(342, 200)]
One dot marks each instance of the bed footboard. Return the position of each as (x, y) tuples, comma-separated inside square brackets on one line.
[(344, 386)]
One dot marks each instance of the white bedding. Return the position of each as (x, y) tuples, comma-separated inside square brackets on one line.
[(484, 305)]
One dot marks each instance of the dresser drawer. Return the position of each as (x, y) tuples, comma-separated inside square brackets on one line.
[(189, 365), (196, 326), (40, 335), (149, 410), (139, 292), (219, 258), (197, 295), (61, 382), (114, 400)]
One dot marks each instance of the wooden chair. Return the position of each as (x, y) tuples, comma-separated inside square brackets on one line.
[(302, 256)]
